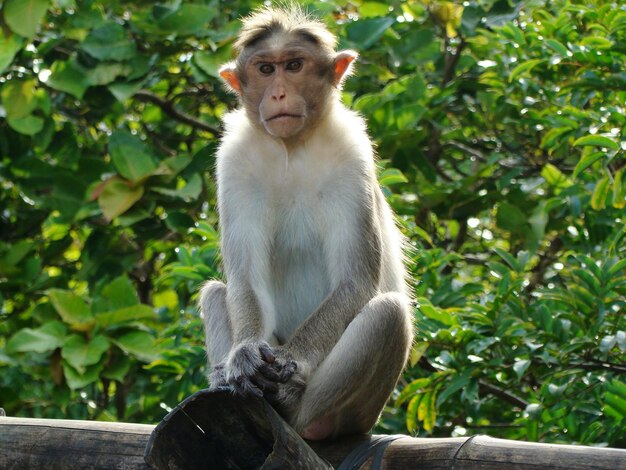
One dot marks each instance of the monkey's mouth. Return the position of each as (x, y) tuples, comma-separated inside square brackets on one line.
[(283, 116)]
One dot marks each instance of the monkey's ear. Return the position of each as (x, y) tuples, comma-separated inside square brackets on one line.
[(229, 74), (343, 65)]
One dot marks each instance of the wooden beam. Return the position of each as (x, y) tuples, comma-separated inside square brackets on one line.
[(27, 443), (64, 444)]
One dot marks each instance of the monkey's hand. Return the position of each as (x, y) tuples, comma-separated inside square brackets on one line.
[(292, 380), (249, 369)]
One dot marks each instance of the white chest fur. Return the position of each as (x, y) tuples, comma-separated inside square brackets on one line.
[(279, 212)]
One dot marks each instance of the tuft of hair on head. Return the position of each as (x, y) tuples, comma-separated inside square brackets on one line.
[(284, 18)]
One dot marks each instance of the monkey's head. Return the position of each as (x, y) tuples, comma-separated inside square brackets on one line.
[(286, 71)]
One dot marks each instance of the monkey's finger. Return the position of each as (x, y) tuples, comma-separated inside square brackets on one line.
[(266, 353), (244, 387), (288, 370), (269, 372), (266, 386)]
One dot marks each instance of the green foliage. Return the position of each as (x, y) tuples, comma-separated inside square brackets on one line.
[(501, 126)]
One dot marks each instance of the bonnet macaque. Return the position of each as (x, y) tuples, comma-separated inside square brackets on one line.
[(315, 315)]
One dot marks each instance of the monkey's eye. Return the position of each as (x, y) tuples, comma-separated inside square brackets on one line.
[(266, 69), (294, 65)]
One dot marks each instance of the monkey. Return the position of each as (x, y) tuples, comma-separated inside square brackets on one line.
[(315, 314)]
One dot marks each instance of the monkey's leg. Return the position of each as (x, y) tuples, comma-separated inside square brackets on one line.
[(347, 392), (217, 328)]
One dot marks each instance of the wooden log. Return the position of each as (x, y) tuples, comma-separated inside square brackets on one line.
[(27, 443), (215, 429), (65, 444)]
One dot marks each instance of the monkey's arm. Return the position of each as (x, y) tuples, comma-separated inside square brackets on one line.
[(245, 255)]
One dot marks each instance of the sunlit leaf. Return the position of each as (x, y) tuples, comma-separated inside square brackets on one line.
[(46, 338), (117, 197), (80, 352), (69, 77), (411, 389), (73, 310), (131, 157), (598, 141), (524, 67), (600, 194), (10, 44), (24, 16), (109, 42), (586, 161), (366, 32), (139, 344)]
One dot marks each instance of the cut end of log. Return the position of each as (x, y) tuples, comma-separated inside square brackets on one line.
[(215, 429)]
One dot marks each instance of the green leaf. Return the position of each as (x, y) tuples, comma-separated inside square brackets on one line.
[(455, 385), (428, 411), (408, 116), (189, 191), (80, 353), (616, 402), (125, 315), (411, 413), (586, 161), (598, 141), (555, 177), (123, 91), (558, 47), (117, 197), (520, 366), (69, 77), (411, 389), (76, 379), (607, 343), (552, 138), (366, 33), (109, 42), (510, 260), (597, 42), (132, 157), (524, 67), (600, 193), (373, 9), (417, 351), (24, 16), (103, 74), (435, 313), (18, 98), (119, 293), (9, 45), (118, 369), (43, 339), (139, 344), (511, 218), (392, 176), (28, 125), (73, 310), (619, 190), (189, 18), (210, 62), (617, 387)]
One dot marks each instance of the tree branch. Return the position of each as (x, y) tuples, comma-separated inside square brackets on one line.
[(169, 109), (505, 395), (618, 368), (548, 257)]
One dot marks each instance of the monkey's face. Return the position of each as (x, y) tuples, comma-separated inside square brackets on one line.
[(285, 88)]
